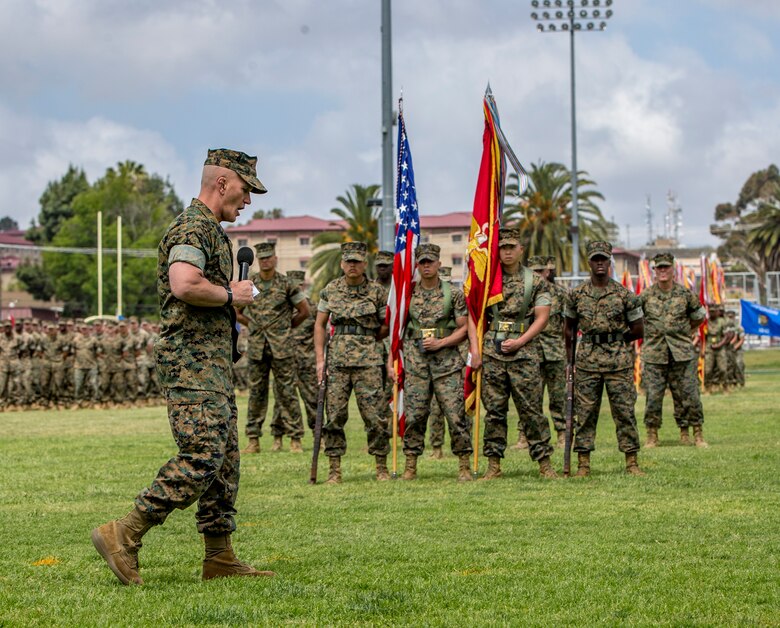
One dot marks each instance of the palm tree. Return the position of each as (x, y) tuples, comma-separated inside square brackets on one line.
[(764, 236), (543, 212), (362, 225)]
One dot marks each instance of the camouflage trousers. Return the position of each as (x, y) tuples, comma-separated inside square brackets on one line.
[(6, 386), (306, 383), (85, 384), (51, 382), (554, 378), (520, 380), (716, 367), (436, 423), (448, 391), (370, 396), (682, 380), (204, 425), (621, 391), (739, 371), (23, 385), (289, 421)]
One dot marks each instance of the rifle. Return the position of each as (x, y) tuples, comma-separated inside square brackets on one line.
[(569, 412), (323, 385)]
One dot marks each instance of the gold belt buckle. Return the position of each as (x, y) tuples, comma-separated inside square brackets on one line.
[(428, 332), (505, 326)]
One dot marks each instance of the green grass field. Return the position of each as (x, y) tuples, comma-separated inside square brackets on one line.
[(696, 542)]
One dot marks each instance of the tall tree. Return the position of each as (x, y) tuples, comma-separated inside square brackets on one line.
[(57, 204), (543, 212), (276, 212), (8, 224), (147, 204), (362, 225), (750, 227)]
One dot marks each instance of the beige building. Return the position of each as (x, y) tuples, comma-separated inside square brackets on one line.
[(294, 235)]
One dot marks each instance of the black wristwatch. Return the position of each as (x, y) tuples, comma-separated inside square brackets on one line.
[(230, 295)]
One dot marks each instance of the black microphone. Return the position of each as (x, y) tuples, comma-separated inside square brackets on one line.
[(245, 257)]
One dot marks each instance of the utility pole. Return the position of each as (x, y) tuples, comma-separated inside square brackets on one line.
[(387, 217)]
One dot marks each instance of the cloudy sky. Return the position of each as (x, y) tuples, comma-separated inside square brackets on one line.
[(680, 95)]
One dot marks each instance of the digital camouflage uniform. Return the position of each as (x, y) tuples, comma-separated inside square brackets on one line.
[(739, 357), (716, 361), (241, 368), (142, 358), (271, 349), (53, 347), (85, 365), (23, 383), (553, 366), (436, 374), (355, 362), (7, 358), (435, 416), (514, 375), (669, 356), (604, 363), (194, 358)]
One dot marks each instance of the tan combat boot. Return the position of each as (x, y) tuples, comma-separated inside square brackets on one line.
[(561, 443), (118, 543), (437, 453), (382, 473), (583, 464), (684, 438), (652, 437), (698, 437), (464, 469), (545, 468), (410, 470), (334, 473), (522, 442), (295, 446), (221, 562), (277, 446), (253, 447), (632, 468), (494, 469)]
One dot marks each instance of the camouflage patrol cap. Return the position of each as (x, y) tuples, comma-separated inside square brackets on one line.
[(240, 163), (508, 236), (599, 248), (537, 262), (552, 263), (383, 257), (663, 259), (7, 324), (427, 252), (265, 249), (445, 272), (354, 251), (296, 275)]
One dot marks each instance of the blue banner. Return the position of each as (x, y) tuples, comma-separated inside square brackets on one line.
[(759, 319)]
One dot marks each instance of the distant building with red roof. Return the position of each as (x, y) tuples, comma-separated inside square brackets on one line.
[(293, 236)]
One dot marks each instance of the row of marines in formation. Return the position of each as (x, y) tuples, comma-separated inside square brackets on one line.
[(524, 350), (73, 363)]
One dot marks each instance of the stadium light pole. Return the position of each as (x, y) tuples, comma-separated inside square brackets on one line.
[(570, 16)]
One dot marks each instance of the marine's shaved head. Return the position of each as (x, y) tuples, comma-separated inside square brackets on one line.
[(208, 179)]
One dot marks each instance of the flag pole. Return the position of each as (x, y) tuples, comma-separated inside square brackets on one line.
[(395, 421), (476, 422)]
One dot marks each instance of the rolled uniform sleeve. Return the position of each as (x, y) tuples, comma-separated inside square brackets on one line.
[(188, 254)]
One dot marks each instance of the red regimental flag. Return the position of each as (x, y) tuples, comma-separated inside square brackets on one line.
[(482, 287)]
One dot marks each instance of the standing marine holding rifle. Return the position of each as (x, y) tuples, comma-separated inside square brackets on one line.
[(356, 308), (610, 318)]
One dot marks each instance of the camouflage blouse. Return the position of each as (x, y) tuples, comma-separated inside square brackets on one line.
[(605, 310), (194, 349), (551, 338), (513, 289), (668, 317), (427, 307), (363, 306), (271, 315)]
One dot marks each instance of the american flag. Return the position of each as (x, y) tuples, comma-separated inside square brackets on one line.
[(407, 236)]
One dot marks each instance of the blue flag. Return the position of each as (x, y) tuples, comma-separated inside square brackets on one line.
[(759, 319)]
